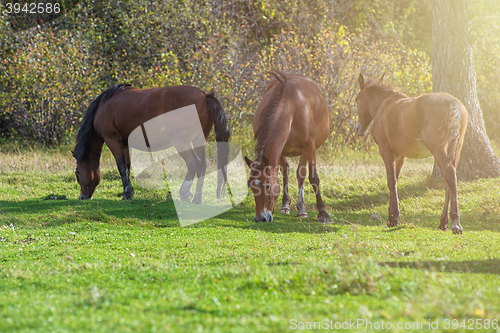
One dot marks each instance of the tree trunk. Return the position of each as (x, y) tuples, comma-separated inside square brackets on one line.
[(453, 72)]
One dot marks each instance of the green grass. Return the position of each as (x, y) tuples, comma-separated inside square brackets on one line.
[(108, 265)]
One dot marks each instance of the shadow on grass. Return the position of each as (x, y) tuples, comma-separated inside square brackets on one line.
[(59, 212), (362, 201), (155, 210), (288, 227), (491, 266), (242, 217), (473, 220)]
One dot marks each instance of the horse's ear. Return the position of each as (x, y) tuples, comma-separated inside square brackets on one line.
[(249, 162), (361, 81), (382, 77)]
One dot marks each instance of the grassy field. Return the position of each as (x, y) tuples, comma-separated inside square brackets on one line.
[(108, 265)]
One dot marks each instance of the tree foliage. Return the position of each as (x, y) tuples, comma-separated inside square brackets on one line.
[(51, 69)]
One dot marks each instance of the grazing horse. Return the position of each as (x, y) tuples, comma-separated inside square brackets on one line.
[(292, 120), (115, 113), (431, 124)]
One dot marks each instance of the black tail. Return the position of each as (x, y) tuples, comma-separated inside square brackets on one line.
[(87, 127), (222, 134)]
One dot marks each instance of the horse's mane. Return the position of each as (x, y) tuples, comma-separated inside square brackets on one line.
[(266, 123), (87, 128), (379, 85)]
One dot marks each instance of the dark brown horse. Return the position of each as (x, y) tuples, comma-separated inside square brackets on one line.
[(292, 120), (114, 114), (418, 127)]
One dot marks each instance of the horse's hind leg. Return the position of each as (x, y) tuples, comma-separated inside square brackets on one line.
[(301, 175), (192, 163), (200, 174), (450, 178), (444, 217), (285, 207), (314, 180)]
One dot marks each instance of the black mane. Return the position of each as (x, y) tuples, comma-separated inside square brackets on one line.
[(87, 128)]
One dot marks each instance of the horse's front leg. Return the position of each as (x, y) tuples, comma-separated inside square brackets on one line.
[(126, 153), (301, 176), (128, 190), (285, 167), (392, 183), (123, 166)]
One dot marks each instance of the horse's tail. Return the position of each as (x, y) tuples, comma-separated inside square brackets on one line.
[(454, 121), (266, 123), (87, 127), (222, 134)]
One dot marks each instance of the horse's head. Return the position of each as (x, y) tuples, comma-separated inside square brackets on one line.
[(265, 187), (88, 176), (365, 113)]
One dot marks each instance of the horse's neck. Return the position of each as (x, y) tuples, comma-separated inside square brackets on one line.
[(276, 142), (95, 148), (382, 97)]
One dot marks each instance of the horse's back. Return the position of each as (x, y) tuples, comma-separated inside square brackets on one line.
[(415, 127), (437, 106), (130, 108), (302, 115), (311, 117)]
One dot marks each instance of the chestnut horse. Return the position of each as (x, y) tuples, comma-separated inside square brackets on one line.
[(292, 120), (431, 124), (115, 113)]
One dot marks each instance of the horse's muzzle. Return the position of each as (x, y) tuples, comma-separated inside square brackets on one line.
[(266, 216), (83, 197)]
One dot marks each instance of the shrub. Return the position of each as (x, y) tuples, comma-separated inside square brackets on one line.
[(51, 73)]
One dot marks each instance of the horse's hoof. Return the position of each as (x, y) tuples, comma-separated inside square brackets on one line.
[(323, 219), (197, 199), (186, 196), (127, 196), (302, 213), (457, 230), (285, 210), (128, 193), (443, 227), (392, 224)]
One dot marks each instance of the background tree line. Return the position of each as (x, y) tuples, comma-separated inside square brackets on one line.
[(53, 65)]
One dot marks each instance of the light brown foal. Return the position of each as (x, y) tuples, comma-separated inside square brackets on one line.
[(415, 127)]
